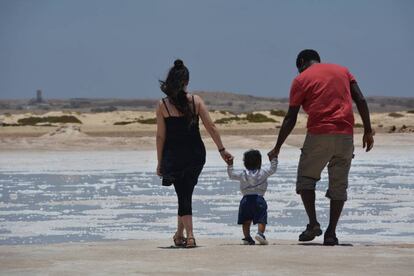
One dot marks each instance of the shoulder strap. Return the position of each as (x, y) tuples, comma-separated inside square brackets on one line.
[(166, 107), (194, 106)]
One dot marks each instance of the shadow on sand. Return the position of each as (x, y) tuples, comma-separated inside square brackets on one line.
[(321, 244), (177, 247)]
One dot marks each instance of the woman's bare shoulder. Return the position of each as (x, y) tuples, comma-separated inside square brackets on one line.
[(197, 99)]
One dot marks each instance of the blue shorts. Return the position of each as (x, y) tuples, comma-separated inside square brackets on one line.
[(253, 207)]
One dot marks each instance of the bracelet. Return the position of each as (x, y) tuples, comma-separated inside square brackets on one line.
[(222, 149)]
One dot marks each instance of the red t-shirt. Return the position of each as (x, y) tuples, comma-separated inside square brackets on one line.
[(323, 90)]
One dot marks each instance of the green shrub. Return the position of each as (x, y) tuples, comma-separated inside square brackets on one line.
[(32, 121), (280, 113), (227, 120), (258, 118), (395, 115), (358, 125)]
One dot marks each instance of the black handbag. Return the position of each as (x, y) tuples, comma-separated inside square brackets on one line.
[(167, 180), (167, 177)]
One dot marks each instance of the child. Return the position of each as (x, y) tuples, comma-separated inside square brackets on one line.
[(253, 185)]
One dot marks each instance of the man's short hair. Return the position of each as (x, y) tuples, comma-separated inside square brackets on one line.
[(252, 159), (307, 55)]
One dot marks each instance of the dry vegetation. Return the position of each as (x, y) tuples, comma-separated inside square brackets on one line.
[(148, 121), (395, 115), (32, 121)]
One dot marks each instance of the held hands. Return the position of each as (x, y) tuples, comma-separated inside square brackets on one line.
[(230, 161), (368, 140), (273, 153), (226, 156)]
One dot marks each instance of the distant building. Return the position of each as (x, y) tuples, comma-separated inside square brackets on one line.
[(38, 102), (39, 98)]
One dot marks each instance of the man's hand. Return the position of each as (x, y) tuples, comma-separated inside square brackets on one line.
[(274, 153), (230, 160), (368, 140)]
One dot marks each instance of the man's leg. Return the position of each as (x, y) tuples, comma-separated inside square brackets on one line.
[(338, 171), (335, 213), (308, 199), (316, 153)]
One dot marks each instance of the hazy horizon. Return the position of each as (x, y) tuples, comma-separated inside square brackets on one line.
[(119, 49)]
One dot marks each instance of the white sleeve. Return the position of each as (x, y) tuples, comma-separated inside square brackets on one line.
[(270, 170), (233, 174)]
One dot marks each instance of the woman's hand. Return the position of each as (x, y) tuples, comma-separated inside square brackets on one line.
[(226, 155), (159, 170)]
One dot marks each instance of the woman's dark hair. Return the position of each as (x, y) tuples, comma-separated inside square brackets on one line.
[(174, 85), (252, 159), (307, 55)]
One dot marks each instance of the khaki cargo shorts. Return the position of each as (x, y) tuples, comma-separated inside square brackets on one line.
[(334, 150)]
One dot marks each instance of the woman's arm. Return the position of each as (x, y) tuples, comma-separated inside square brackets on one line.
[(211, 128), (160, 136)]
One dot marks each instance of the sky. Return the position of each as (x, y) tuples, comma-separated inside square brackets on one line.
[(121, 48)]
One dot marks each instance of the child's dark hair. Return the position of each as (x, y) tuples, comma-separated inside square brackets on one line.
[(174, 85), (252, 159)]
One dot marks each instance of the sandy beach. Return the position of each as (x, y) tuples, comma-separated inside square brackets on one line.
[(101, 131), (212, 257), (104, 200)]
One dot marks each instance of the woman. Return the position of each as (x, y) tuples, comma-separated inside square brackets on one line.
[(180, 150)]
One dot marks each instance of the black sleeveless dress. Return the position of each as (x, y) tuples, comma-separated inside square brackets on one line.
[(184, 153)]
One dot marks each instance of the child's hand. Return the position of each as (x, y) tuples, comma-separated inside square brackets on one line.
[(229, 161)]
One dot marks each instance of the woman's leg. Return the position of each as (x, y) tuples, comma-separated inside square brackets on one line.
[(187, 212), (184, 218), (190, 179), (188, 225), (180, 227)]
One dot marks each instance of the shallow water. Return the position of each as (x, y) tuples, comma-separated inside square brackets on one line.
[(49, 197)]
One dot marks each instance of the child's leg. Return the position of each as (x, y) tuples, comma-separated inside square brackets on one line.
[(261, 227), (246, 228)]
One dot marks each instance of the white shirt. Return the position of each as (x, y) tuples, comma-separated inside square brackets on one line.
[(253, 182)]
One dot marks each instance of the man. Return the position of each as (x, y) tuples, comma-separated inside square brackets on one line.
[(325, 91)]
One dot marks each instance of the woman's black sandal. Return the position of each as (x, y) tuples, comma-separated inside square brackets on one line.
[(179, 241)]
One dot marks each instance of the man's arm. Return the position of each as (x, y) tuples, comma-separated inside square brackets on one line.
[(362, 106), (287, 126)]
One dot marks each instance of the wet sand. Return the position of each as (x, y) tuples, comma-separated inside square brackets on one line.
[(211, 257)]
